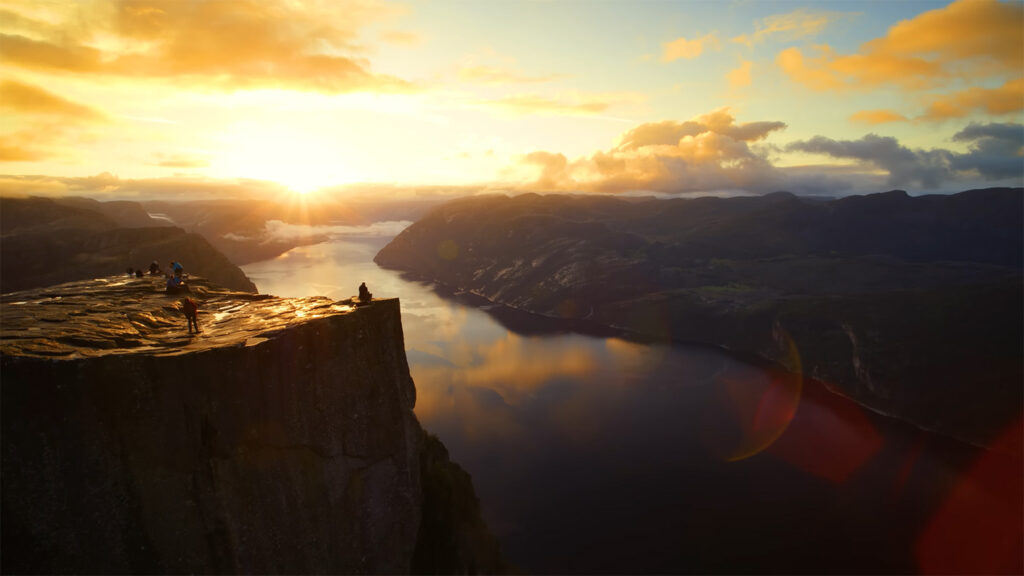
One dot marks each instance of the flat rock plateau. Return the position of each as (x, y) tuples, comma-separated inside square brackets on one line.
[(122, 315)]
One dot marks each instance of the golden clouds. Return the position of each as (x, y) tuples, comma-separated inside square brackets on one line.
[(800, 23), (670, 133), (498, 76), (1006, 99), (987, 30), (873, 117), (688, 49), (709, 152), (225, 45), (567, 104), (28, 99), (44, 123), (181, 161), (740, 77), (176, 187), (967, 41)]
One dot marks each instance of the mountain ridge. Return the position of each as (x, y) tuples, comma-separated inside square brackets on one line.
[(856, 283)]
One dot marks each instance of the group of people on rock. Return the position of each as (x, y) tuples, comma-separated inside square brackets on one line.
[(176, 285), (176, 279)]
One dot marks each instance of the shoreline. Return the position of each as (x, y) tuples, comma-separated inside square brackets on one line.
[(597, 330)]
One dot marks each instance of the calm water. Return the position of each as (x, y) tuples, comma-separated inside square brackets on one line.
[(595, 454)]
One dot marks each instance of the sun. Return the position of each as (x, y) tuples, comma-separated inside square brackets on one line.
[(301, 184), (300, 160)]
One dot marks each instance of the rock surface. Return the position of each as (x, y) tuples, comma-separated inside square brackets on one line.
[(279, 440)]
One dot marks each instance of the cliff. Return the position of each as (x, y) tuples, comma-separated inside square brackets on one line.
[(909, 305), (279, 440), (46, 243)]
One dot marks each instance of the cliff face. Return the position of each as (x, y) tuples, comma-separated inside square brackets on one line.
[(281, 439)]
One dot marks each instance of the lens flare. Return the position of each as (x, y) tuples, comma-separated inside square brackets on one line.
[(750, 409)]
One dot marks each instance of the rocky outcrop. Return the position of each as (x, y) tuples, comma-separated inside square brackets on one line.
[(46, 243), (909, 305), (281, 439)]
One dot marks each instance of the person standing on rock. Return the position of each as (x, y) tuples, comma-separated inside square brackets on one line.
[(191, 310)]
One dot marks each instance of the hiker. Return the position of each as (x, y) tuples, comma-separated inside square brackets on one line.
[(175, 284), (364, 293), (177, 267), (191, 310)]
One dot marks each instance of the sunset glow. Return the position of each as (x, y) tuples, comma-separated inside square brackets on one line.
[(613, 97)]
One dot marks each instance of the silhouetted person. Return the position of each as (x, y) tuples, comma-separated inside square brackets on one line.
[(138, 272), (154, 268), (364, 293), (191, 310), (131, 271)]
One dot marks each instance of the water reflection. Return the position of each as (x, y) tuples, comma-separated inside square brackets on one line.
[(592, 453)]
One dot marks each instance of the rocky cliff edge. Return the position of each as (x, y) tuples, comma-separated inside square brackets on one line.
[(280, 439)]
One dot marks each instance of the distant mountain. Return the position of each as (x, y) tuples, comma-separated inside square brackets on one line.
[(125, 213), (912, 305), (238, 228), (47, 242)]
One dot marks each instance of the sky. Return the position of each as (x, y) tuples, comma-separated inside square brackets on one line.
[(186, 98)]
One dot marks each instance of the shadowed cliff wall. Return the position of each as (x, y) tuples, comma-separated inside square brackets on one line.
[(296, 454)]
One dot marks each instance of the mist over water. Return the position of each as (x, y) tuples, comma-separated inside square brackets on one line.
[(597, 454)]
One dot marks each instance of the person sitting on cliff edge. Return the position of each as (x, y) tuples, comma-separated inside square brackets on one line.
[(364, 294)]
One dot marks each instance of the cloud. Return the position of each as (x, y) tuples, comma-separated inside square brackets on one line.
[(997, 150), (708, 153), (569, 104), (277, 230), (740, 77), (30, 145), (28, 99), (714, 153), (43, 123), (905, 166), (1006, 99), (800, 23), (874, 117), (995, 154), (670, 133), (400, 37), (19, 147), (498, 76), (223, 45), (180, 161), (688, 49), (965, 42), (108, 186)]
